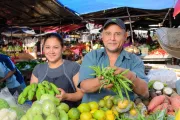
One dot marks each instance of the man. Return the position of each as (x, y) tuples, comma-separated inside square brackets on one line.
[(11, 75), (113, 37)]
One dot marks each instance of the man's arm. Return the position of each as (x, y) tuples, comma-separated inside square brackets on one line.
[(8, 75), (90, 85), (140, 87)]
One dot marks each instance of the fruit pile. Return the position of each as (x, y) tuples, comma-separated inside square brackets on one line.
[(35, 91)]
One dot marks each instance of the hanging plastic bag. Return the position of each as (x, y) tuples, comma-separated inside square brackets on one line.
[(6, 95), (166, 76)]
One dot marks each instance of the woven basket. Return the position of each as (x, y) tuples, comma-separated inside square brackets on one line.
[(169, 39)]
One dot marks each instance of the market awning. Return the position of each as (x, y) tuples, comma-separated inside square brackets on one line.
[(176, 9), (36, 12), (63, 28), (84, 7), (18, 32)]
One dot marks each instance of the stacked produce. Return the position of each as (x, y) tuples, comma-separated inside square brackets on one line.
[(27, 65), (47, 108), (121, 85), (35, 91), (8, 112), (163, 98)]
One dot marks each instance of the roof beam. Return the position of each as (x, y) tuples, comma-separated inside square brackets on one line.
[(19, 11), (50, 10), (126, 16)]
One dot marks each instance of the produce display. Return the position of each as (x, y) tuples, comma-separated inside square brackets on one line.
[(35, 91), (27, 65)]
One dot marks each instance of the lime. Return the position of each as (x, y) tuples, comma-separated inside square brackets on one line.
[(101, 103), (99, 115), (93, 105), (74, 113), (63, 106), (86, 116), (109, 103), (84, 107)]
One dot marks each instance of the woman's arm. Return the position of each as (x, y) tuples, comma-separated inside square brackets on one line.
[(34, 79)]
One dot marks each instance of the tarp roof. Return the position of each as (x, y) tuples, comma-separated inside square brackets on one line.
[(89, 6), (35, 12)]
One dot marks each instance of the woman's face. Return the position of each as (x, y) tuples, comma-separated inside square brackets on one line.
[(53, 49)]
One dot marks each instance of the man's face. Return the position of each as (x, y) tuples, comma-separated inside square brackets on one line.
[(113, 38)]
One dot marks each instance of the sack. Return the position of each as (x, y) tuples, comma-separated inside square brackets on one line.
[(6, 95), (166, 76)]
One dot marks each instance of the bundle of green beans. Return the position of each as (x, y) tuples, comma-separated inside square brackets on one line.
[(120, 83)]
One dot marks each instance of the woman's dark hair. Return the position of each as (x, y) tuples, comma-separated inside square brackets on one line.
[(54, 35)]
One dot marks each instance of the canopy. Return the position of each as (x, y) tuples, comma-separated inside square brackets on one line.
[(176, 9), (88, 6)]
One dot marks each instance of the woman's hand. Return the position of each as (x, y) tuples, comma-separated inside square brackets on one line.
[(63, 95)]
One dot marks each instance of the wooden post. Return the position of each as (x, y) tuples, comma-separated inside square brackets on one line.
[(131, 31)]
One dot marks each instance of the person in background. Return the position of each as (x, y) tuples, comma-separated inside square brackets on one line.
[(63, 73), (113, 55), (127, 42), (11, 75), (149, 39)]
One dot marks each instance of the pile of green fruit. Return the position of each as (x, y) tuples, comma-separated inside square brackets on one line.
[(35, 91), (47, 108)]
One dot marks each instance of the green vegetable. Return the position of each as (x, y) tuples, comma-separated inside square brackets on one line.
[(121, 85), (18, 111), (48, 107), (55, 100), (36, 108), (3, 104)]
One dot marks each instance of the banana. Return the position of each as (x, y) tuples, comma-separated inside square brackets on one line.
[(34, 86), (30, 94), (40, 85), (55, 88), (51, 92), (46, 84), (46, 90), (21, 99), (25, 91), (38, 94)]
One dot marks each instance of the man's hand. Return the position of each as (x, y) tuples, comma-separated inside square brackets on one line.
[(129, 75), (63, 95), (102, 81)]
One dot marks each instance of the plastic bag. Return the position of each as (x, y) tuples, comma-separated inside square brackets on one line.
[(6, 95), (166, 76)]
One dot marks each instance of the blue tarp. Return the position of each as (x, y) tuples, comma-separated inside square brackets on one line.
[(89, 6)]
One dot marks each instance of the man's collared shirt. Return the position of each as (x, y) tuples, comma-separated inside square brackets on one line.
[(99, 58)]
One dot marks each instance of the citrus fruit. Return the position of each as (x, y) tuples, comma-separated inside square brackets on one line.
[(63, 106), (92, 111), (99, 115), (123, 104), (114, 110), (85, 116), (106, 97), (93, 105), (74, 113), (83, 107), (133, 112), (115, 100), (101, 103), (109, 103)]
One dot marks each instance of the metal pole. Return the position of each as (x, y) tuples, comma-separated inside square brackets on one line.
[(130, 26)]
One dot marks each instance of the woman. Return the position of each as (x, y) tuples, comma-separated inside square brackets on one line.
[(63, 73)]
